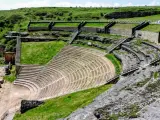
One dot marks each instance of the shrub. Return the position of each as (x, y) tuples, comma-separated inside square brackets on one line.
[(2, 61), (58, 18), (41, 13), (13, 19), (12, 76), (102, 14), (69, 18), (9, 48), (49, 16), (12, 42), (70, 14)]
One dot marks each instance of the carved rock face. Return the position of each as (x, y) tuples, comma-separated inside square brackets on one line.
[(29, 104)]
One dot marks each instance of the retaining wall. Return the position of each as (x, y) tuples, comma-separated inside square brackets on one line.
[(18, 55), (151, 36), (36, 39), (65, 29), (120, 31), (38, 28), (92, 29)]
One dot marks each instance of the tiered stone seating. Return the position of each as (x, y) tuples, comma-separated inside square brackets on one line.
[(150, 52), (129, 60), (114, 46), (73, 69), (26, 76)]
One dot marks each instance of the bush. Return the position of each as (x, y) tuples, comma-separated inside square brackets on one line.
[(9, 48), (12, 42), (58, 18), (13, 19), (41, 18), (41, 13), (2, 61), (2, 23), (49, 16), (70, 14), (102, 14), (69, 19)]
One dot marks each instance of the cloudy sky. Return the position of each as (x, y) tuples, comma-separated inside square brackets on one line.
[(12, 4)]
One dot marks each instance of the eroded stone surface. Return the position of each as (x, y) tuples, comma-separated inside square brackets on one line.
[(131, 92)]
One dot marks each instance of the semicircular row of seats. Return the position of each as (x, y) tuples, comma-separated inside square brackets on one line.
[(73, 69)]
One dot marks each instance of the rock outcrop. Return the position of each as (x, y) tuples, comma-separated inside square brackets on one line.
[(27, 105)]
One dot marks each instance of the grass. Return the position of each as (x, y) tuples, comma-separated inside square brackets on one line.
[(12, 76), (153, 87), (61, 107), (40, 52), (130, 111), (142, 83), (115, 37), (125, 26), (66, 25), (152, 28), (137, 42), (152, 18), (116, 63), (156, 75), (39, 25)]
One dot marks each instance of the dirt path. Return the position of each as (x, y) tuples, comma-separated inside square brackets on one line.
[(10, 96)]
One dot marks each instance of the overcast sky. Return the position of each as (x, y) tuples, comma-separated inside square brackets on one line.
[(12, 4)]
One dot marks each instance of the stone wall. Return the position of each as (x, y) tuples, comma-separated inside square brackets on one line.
[(38, 28), (130, 14), (120, 31), (65, 29), (151, 36), (92, 29), (37, 39), (18, 55)]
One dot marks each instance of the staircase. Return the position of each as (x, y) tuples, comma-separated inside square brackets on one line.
[(138, 27), (114, 46), (108, 26), (74, 36), (81, 25)]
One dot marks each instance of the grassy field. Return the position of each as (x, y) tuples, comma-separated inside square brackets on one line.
[(153, 28), (66, 25), (40, 52), (152, 18), (61, 107), (116, 63), (39, 25), (19, 18)]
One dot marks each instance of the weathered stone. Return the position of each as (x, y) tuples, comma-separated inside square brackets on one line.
[(27, 105), (130, 14)]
